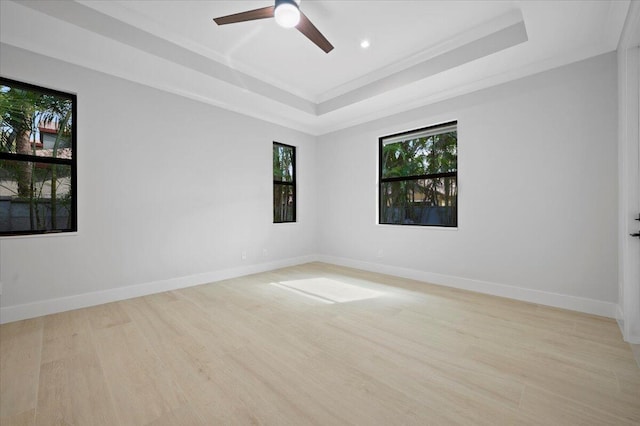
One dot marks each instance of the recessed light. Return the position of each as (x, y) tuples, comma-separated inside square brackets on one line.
[(365, 43)]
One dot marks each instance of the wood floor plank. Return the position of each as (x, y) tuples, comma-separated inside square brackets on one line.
[(553, 409), (143, 389), (179, 344), (215, 381), (72, 388), (20, 351), (410, 361), (267, 392), (597, 388), (26, 418), (257, 350), (181, 416), (73, 391), (107, 315), (66, 334)]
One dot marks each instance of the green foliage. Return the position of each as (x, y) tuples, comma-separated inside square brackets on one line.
[(282, 163), (283, 193), (421, 156), (22, 111), (420, 161)]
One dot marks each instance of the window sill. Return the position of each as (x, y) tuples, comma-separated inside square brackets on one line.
[(431, 227), (44, 235)]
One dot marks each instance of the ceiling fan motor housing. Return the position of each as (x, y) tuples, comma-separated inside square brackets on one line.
[(287, 13), (291, 2)]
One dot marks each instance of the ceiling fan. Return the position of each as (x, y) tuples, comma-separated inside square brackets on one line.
[(288, 15)]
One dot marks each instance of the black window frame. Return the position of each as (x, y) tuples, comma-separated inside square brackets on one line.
[(72, 163), (285, 183), (382, 180)]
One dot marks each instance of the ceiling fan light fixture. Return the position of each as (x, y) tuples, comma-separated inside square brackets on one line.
[(287, 13)]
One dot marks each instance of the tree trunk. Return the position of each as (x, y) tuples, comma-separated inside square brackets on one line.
[(23, 146), (54, 201)]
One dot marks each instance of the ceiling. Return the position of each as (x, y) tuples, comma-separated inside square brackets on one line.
[(421, 51)]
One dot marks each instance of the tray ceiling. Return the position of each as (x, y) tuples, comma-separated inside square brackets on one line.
[(421, 51)]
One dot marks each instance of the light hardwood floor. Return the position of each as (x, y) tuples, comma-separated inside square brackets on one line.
[(317, 344)]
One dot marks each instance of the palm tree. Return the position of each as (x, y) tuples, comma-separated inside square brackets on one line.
[(18, 109), (417, 162), (22, 111), (57, 111), (283, 192)]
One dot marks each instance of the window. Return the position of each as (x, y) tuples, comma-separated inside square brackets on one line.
[(419, 177), (284, 183), (37, 159)]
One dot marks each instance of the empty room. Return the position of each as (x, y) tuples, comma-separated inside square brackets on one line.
[(319, 212)]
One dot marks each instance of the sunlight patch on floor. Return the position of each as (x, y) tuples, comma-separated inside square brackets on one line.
[(328, 290)]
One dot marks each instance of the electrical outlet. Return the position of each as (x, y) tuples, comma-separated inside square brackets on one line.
[(380, 252), (265, 253), (243, 256)]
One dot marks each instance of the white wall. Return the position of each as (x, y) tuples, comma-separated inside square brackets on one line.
[(168, 188), (172, 190), (538, 192), (629, 175)]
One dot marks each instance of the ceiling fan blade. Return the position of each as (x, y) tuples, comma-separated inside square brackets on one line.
[(311, 32), (251, 15)]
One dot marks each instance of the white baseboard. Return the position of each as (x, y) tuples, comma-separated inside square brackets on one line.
[(628, 337), (52, 306), (62, 304), (634, 340), (574, 303)]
